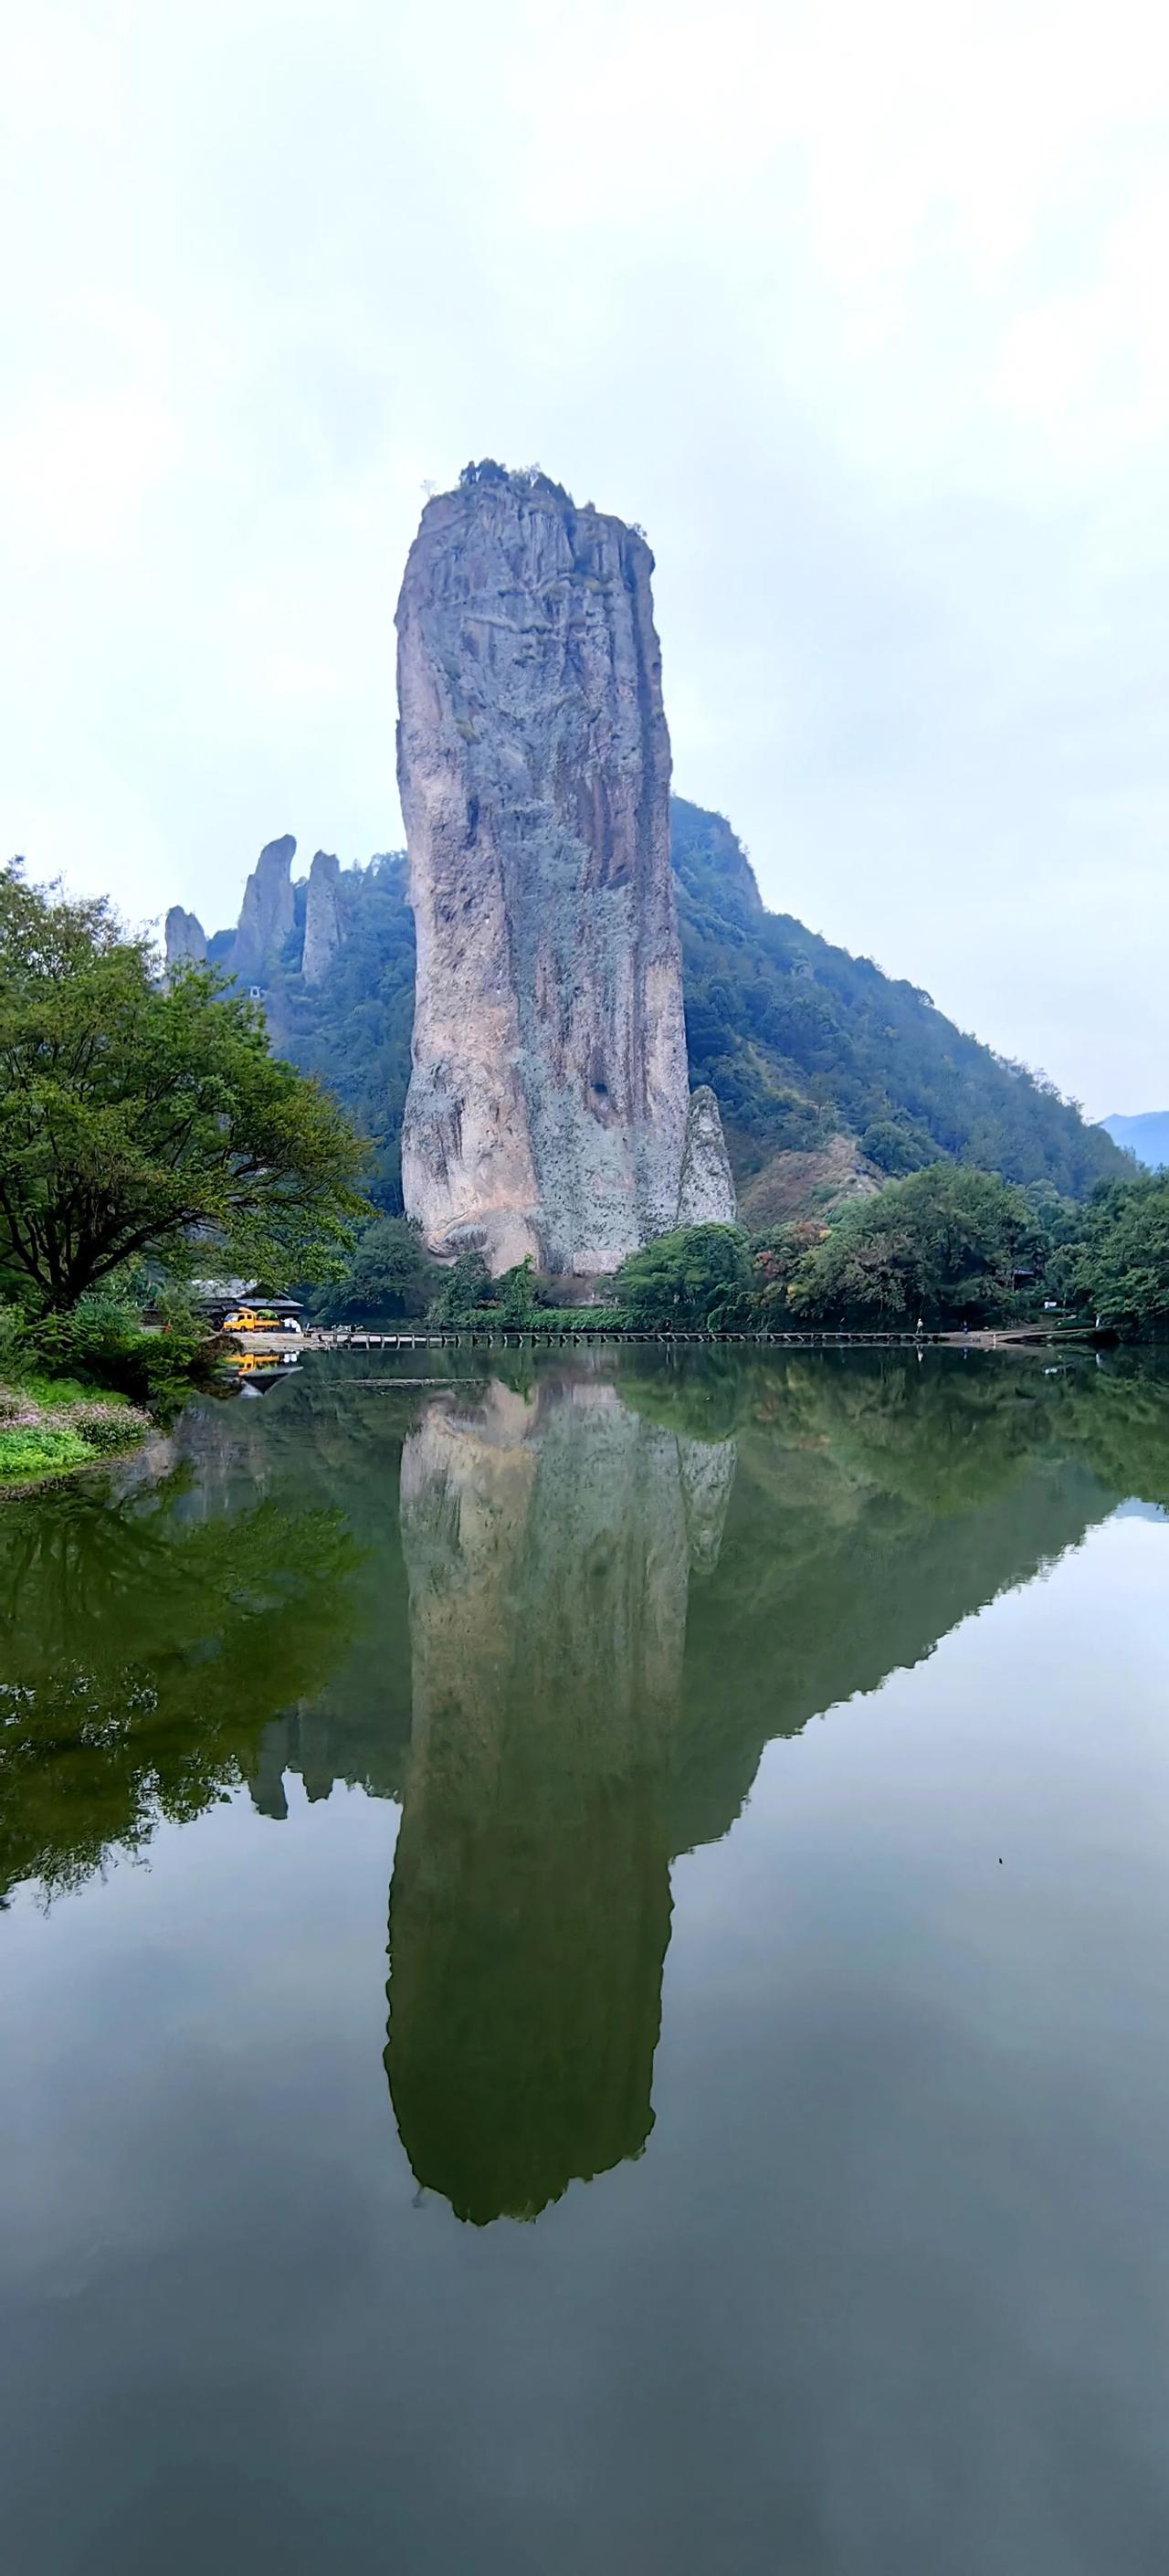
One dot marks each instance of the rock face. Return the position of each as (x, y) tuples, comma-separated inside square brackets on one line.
[(706, 1194), (185, 939), (547, 1107), (322, 919), (267, 913)]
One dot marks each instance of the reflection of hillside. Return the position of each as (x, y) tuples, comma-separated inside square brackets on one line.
[(548, 1542), (876, 1504), (609, 1619)]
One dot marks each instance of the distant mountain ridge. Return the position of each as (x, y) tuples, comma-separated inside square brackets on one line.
[(1146, 1135), (830, 1075)]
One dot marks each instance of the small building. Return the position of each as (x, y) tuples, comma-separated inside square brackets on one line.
[(218, 1298)]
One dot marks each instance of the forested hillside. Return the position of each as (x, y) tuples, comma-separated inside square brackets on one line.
[(800, 1039), (829, 1075)]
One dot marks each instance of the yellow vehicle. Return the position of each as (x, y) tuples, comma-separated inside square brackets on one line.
[(251, 1319)]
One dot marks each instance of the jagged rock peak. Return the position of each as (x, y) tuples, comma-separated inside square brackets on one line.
[(706, 1194), (322, 917), (268, 910), (185, 939), (547, 1106)]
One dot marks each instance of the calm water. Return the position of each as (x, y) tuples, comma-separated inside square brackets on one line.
[(584, 1978)]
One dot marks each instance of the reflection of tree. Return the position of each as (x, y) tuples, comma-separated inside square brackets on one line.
[(144, 1654), (876, 1504), (548, 1544)]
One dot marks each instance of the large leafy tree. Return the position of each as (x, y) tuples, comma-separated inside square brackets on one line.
[(945, 1243), (138, 1122), (1120, 1268), (697, 1276), (391, 1273)]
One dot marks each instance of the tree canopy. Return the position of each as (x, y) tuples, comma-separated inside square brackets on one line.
[(138, 1122), (1120, 1266), (698, 1275), (946, 1244), (391, 1273)]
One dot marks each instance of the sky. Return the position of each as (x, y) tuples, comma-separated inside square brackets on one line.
[(860, 311)]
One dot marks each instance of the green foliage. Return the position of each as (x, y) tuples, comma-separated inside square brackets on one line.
[(516, 1297), (144, 1653), (466, 1290), (13, 1338), (102, 1338), (134, 1121), (108, 1425), (699, 1276), (776, 1258), (352, 1030), (34, 1450), (944, 1245), (47, 1429), (579, 1319), (176, 1308), (897, 1146), (1120, 1267), (798, 1038), (391, 1273)]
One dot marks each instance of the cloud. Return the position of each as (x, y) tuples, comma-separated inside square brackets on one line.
[(859, 312), (74, 472)]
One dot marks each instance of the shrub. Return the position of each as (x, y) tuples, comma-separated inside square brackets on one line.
[(107, 1427), (33, 1449), (13, 1337), (102, 1339), (699, 1275)]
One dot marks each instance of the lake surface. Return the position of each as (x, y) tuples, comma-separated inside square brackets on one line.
[(583, 1982)]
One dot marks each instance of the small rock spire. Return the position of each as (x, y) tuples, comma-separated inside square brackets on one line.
[(267, 912), (706, 1193), (322, 918), (185, 942)]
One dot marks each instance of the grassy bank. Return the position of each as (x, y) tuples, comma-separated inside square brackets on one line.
[(50, 1426)]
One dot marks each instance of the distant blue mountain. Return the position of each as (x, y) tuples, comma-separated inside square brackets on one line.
[(1147, 1136)]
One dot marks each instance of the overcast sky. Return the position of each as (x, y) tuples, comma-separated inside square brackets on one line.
[(861, 311)]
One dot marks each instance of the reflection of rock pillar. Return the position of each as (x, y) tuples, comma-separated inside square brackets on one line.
[(548, 1553)]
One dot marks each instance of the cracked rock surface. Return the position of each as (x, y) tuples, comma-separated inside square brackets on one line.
[(548, 1105)]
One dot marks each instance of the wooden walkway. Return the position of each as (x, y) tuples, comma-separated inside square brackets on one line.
[(508, 1336)]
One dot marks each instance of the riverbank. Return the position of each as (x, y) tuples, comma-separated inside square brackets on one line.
[(51, 1427)]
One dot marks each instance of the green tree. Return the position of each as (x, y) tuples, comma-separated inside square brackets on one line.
[(141, 1122), (947, 1243), (698, 1276), (897, 1146), (516, 1296), (776, 1257), (391, 1273), (466, 1290), (1120, 1268)]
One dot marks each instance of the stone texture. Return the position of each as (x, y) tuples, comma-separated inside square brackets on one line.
[(322, 918), (185, 939), (267, 913), (547, 1107), (706, 1194)]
